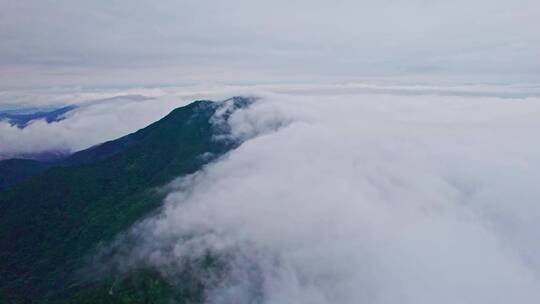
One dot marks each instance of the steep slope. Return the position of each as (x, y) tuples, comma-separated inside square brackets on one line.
[(53, 220), (13, 171)]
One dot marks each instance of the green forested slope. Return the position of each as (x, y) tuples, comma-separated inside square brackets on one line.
[(50, 222)]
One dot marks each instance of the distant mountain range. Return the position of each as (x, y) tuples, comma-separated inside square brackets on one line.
[(53, 215), (22, 118)]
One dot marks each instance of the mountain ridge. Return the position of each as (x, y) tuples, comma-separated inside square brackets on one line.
[(53, 219)]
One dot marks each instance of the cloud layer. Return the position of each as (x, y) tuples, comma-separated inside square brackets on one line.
[(108, 114), (83, 127), (362, 199)]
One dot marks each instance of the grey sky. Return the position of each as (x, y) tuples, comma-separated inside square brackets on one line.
[(62, 42)]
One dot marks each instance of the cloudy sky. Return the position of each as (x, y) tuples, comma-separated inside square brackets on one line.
[(119, 42)]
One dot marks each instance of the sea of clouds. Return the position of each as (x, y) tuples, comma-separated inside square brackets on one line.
[(106, 114), (361, 198), (339, 194)]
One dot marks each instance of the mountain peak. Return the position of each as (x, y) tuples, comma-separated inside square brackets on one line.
[(51, 221)]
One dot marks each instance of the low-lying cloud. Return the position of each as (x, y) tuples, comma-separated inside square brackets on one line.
[(108, 114), (362, 199), (90, 123)]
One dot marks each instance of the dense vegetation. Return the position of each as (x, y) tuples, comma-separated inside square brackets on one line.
[(52, 221), (13, 171)]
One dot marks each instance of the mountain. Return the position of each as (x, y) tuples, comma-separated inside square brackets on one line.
[(55, 218), (13, 171), (25, 166)]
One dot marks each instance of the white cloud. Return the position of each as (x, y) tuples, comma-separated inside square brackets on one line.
[(85, 126), (364, 199)]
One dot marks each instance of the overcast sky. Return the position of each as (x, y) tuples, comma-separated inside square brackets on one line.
[(111, 42)]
